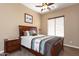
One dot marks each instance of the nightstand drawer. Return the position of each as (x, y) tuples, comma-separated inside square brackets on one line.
[(14, 42), (14, 48)]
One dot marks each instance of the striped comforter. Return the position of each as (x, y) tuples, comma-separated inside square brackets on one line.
[(44, 44)]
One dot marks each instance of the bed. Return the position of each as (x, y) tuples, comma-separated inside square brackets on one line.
[(40, 45)]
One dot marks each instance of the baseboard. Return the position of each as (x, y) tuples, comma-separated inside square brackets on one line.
[(2, 51), (71, 46)]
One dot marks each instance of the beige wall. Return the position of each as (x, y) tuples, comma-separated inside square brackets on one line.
[(71, 23), (12, 15)]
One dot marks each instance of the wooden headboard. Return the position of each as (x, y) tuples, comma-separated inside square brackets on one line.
[(23, 28)]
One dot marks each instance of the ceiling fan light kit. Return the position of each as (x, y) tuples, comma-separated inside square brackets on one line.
[(45, 6)]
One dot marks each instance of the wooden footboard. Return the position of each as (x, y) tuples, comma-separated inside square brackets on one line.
[(58, 47)]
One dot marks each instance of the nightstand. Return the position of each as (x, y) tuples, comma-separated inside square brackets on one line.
[(12, 45)]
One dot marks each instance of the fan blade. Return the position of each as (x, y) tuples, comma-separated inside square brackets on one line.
[(38, 6), (48, 8), (50, 4)]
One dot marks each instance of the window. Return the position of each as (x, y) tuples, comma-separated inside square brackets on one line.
[(56, 26)]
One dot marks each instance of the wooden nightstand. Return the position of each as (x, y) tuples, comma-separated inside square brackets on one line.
[(11, 45)]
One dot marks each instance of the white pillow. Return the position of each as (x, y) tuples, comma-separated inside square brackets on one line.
[(33, 31), (26, 33)]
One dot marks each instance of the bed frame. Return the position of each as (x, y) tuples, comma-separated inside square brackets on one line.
[(58, 47)]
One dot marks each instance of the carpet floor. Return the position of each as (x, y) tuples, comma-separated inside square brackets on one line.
[(68, 51)]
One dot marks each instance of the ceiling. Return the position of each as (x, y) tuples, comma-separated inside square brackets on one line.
[(53, 7)]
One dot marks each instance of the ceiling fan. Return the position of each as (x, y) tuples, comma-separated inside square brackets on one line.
[(45, 6)]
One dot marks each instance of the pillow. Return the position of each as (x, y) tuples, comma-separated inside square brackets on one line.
[(26, 33), (30, 33), (33, 32)]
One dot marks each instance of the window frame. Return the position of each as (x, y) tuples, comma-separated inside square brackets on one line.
[(55, 21)]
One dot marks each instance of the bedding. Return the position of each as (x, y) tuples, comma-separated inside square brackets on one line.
[(50, 44), (40, 43), (33, 32), (30, 33), (26, 40), (26, 33)]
